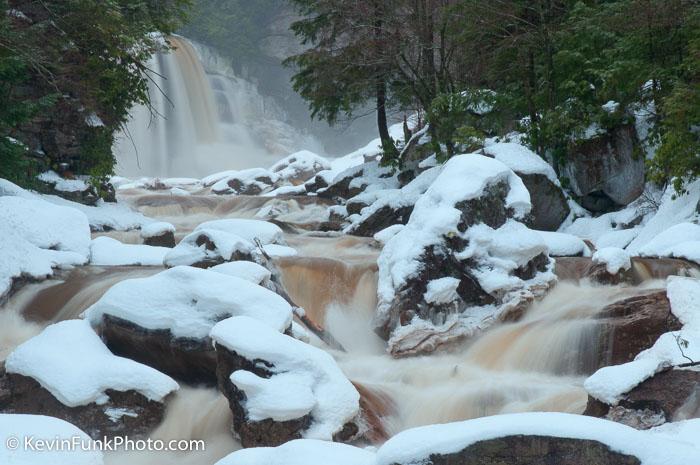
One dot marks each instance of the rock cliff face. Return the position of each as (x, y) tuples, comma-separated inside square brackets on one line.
[(606, 172)]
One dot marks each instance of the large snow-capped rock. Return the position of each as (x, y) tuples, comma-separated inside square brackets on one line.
[(606, 171), (533, 438), (649, 383), (158, 234), (68, 372), (301, 452), (37, 236), (280, 388), (549, 204), (463, 259), (352, 181), (299, 167), (253, 181), (218, 241), (106, 251), (37, 428), (164, 320)]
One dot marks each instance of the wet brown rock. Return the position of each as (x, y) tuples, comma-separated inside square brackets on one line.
[(190, 360), (598, 272), (534, 450), (166, 239), (670, 395), (126, 413), (633, 325)]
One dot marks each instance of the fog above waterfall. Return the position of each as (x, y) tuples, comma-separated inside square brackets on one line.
[(211, 113)]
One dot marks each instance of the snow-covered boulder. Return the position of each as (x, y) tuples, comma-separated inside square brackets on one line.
[(605, 171), (249, 271), (253, 181), (43, 431), (164, 320), (218, 241), (280, 388), (299, 167), (564, 245), (611, 265), (533, 438), (361, 178), (76, 190), (655, 384), (106, 251), (37, 236), (549, 204), (679, 241), (389, 207), (67, 372), (158, 234), (464, 227), (301, 452)]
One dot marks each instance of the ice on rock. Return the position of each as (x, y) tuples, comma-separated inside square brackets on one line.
[(305, 379), (189, 302), (73, 364), (106, 251), (48, 429)]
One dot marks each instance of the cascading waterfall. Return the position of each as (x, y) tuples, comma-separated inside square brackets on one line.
[(203, 119)]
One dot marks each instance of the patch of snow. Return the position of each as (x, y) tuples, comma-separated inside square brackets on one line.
[(611, 107), (564, 245), (61, 184), (250, 271), (679, 241), (615, 259), (301, 452), (106, 251), (155, 229), (279, 251), (441, 291), (70, 360), (298, 163), (47, 429), (250, 230), (305, 379), (94, 121), (225, 245), (385, 234), (521, 159), (189, 302)]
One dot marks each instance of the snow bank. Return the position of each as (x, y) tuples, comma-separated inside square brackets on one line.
[(564, 245), (615, 259), (301, 452), (250, 271), (189, 301), (305, 379), (279, 251), (155, 229), (105, 215), (609, 384), (415, 446), (678, 241), (73, 364), (110, 252), (48, 429), (36, 236)]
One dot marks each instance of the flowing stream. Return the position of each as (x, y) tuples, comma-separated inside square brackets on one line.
[(536, 364)]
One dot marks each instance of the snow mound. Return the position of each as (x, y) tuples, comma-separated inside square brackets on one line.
[(155, 229), (615, 259), (609, 384), (250, 271), (564, 245), (279, 251), (209, 245), (305, 379), (37, 236), (61, 184), (416, 445), (250, 230), (47, 429), (521, 159), (301, 452), (251, 181), (110, 252), (71, 361), (189, 302)]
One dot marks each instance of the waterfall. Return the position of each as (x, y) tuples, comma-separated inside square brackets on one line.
[(203, 118)]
